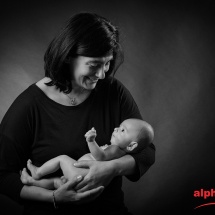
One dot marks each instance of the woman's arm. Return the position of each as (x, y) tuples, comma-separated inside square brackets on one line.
[(123, 166), (143, 160), (36, 193), (102, 172), (16, 137)]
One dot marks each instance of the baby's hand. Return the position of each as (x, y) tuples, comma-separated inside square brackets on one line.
[(90, 135)]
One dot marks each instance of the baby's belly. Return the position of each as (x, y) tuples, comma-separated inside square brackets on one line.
[(87, 157)]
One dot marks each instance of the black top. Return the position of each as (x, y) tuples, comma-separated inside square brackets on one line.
[(38, 128)]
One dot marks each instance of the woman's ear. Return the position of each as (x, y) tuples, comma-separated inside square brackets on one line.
[(131, 146)]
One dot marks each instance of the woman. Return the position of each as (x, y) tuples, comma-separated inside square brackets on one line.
[(51, 117)]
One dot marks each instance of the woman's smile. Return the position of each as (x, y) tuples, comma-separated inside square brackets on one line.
[(85, 74), (89, 82), (92, 79)]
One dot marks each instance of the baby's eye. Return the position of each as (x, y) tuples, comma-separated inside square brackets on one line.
[(122, 129)]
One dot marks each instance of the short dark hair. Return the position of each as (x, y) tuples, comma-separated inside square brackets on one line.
[(85, 34)]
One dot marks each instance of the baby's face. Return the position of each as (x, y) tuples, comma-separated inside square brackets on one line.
[(125, 133)]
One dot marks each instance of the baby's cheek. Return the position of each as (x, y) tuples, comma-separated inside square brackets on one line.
[(113, 140)]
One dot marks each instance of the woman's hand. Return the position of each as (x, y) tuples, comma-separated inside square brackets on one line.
[(100, 174), (64, 194), (67, 194)]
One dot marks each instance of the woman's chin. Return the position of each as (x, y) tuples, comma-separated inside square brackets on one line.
[(89, 86), (88, 83)]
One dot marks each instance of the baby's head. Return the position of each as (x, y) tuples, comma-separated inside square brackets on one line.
[(132, 135)]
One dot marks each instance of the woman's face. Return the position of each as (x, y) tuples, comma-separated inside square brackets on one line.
[(86, 71)]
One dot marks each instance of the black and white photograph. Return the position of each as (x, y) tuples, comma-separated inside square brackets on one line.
[(107, 107)]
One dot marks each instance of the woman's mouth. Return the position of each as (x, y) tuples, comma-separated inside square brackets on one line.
[(92, 79)]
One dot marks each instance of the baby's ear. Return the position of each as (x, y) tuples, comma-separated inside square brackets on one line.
[(132, 145)]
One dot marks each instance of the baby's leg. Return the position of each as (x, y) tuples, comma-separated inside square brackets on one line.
[(33, 169), (50, 183), (69, 170), (63, 161), (45, 183), (47, 168), (58, 182)]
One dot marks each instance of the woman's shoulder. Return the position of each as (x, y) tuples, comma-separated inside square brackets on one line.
[(28, 95), (26, 99), (22, 105), (34, 92)]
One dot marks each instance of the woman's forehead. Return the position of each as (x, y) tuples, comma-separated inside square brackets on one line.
[(97, 59)]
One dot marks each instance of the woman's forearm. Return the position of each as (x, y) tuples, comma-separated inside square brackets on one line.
[(36, 193), (123, 166)]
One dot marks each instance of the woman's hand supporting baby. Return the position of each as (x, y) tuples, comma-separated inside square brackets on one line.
[(66, 193), (100, 173)]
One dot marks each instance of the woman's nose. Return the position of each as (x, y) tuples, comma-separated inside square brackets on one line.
[(101, 73)]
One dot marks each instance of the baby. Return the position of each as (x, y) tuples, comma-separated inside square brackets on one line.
[(132, 136)]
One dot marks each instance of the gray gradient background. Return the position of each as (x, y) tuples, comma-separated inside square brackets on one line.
[(170, 70)]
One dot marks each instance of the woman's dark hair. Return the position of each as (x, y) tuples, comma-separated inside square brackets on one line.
[(85, 34)]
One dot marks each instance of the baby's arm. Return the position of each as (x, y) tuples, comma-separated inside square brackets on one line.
[(95, 150), (111, 152)]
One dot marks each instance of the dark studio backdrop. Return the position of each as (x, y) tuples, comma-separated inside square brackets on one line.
[(170, 70)]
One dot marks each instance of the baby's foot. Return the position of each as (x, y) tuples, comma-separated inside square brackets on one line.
[(58, 182), (63, 179), (90, 135), (26, 178), (33, 170)]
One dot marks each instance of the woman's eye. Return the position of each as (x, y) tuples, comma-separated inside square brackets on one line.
[(107, 64), (94, 65)]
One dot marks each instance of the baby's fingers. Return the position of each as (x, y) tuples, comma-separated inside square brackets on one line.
[(88, 133)]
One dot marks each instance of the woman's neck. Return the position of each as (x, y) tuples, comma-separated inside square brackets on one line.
[(77, 90), (78, 94)]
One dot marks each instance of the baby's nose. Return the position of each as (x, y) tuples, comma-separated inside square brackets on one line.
[(115, 129)]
